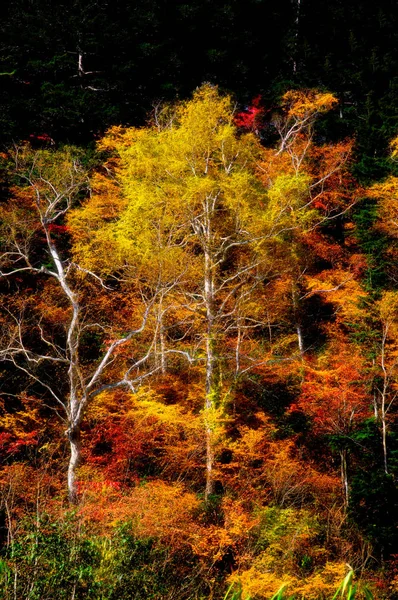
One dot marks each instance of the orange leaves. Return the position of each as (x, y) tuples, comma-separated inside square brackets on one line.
[(212, 542), (224, 241), (161, 510), (154, 509), (113, 138), (237, 521), (320, 246), (305, 103), (333, 187), (294, 482), (265, 470), (131, 434), (168, 514), (335, 392), (342, 289)]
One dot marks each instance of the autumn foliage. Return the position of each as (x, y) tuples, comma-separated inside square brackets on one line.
[(190, 345)]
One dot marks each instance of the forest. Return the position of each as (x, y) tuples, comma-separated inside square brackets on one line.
[(199, 285)]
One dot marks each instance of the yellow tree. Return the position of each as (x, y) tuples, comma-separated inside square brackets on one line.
[(189, 206), (193, 216)]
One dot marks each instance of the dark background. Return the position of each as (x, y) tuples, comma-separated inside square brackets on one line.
[(140, 52)]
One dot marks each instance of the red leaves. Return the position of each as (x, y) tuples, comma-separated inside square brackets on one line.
[(12, 445), (334, 393), (112, 447), (251, 117), (41, 138), (58, 229)]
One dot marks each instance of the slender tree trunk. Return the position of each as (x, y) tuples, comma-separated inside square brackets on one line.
[(300, 339), (344, 475), (75, 379), (210, 386), (74, 436), (296, 36), (162, 351), (384, 393), (162, 341), (295, 300), (209, 414), (384, 433)]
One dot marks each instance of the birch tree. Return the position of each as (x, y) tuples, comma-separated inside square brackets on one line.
[(386, 368), (47, 350), (190, 191), (213, 216)]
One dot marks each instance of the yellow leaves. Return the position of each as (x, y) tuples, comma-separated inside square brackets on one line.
[(304, 103), (283, 532), (387, 195), (151, 409), (208, 113), (106, 404), (250, 445), (259, 585), (19, 222), (388, 188), (213, 415), (145, 407), (287, 195), (54, 177), (288, 537), (161, 510), (343, 290), (164, 178), (91, 226), (21, 423), (159, 432), (388, 307), (394, 147), (322, 583), (238, 522)]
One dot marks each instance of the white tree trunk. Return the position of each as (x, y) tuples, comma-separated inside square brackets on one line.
[(210, 385), (74, 461), (384, 433)]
